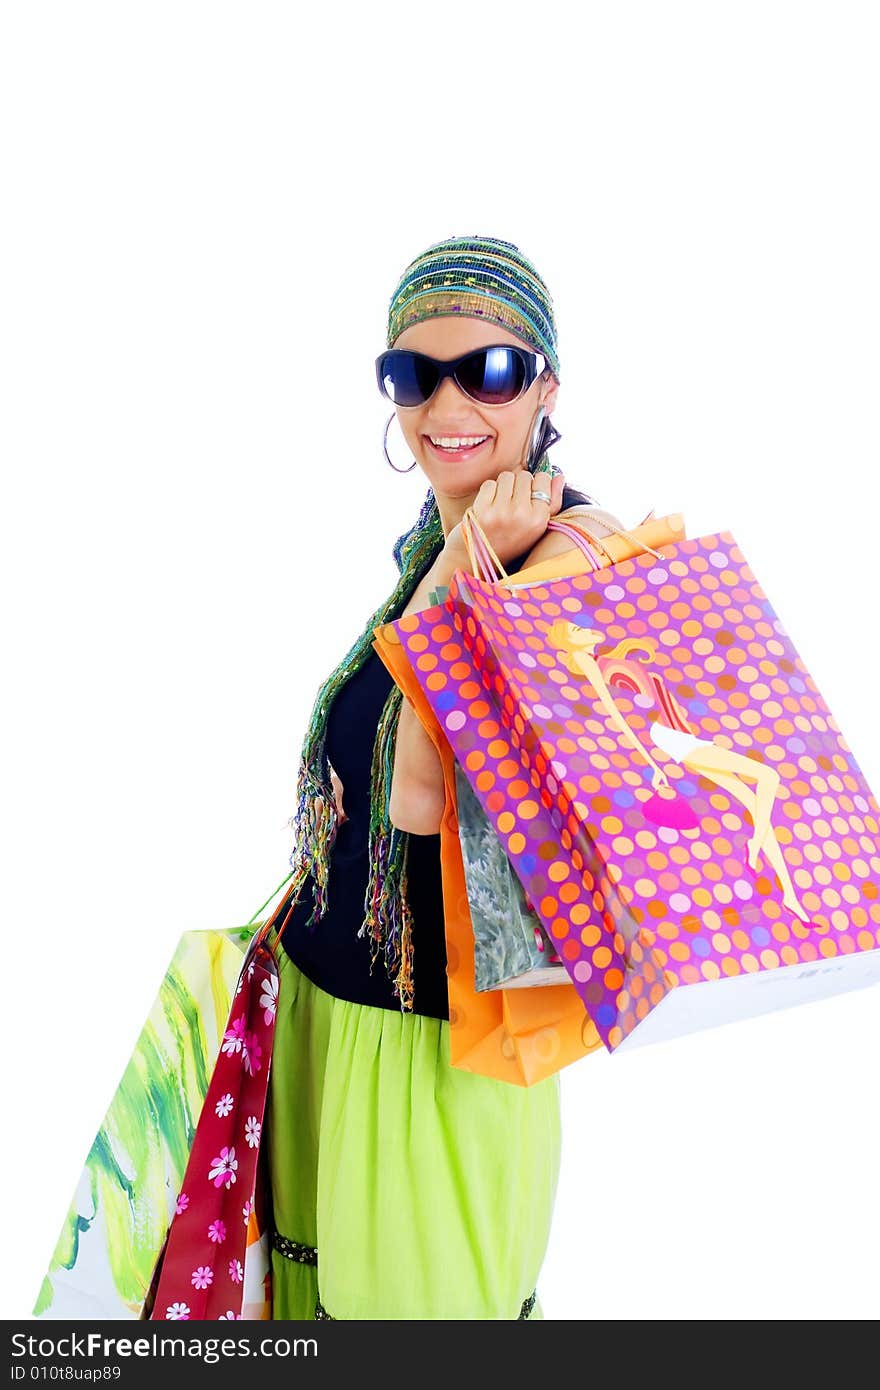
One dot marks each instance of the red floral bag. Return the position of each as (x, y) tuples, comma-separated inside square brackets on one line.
[(216, 1261)]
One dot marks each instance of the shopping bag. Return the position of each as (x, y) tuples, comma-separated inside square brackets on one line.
[(713, 849), (216, 1262), (511, 944), (515, 1035), (106, 1259)]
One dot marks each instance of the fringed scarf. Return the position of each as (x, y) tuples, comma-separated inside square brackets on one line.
[(387, 918)]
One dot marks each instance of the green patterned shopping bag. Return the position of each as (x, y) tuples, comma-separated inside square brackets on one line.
[(127, 1193)]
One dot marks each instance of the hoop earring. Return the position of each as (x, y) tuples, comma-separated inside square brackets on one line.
[(391, 417)]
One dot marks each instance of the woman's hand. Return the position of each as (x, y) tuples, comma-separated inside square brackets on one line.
[(337, 792), (659, 779), (318, 802), (512, 521)]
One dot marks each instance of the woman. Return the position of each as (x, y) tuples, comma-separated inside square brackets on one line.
[(402, 1188)]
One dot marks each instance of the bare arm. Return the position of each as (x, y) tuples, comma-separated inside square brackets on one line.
[(417, 791)]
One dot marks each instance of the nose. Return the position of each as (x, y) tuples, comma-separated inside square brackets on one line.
[(448, 390), (446, 404)]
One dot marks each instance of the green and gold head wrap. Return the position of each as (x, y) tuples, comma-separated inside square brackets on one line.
[(479, 277)]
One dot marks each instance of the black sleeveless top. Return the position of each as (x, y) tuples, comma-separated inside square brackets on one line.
[(329, 952)]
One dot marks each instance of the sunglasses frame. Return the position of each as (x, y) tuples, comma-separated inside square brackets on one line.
[(450, 367)]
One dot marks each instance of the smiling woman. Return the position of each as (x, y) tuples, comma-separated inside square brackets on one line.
[(361, 1087), (402, 1187), (478, 383), (468, 392)]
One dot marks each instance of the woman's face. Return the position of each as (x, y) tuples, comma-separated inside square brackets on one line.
[(450, 412)]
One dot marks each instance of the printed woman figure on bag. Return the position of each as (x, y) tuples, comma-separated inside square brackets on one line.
[(669, 730)]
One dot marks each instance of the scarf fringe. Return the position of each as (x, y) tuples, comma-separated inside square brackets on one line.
[(387, 919)]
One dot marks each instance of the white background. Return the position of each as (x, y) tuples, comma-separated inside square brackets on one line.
[(206, 208)]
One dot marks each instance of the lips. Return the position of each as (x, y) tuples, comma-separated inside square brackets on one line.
[(439, 452)]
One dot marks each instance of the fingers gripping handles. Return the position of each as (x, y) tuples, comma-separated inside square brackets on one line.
[(486, 565)]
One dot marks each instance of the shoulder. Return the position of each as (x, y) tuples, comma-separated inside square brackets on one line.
[(551, 543)]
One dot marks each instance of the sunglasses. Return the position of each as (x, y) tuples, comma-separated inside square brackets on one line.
[(488, 375)]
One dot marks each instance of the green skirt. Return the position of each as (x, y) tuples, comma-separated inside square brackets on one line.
[(401, 1188)]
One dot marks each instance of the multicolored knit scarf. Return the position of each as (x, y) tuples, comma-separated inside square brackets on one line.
[(478, 277), (387, 918)]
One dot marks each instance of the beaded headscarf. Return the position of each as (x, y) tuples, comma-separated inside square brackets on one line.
[(479, 277)]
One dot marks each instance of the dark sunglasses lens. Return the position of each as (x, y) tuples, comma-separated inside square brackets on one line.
[(493, 376), (408, 378)]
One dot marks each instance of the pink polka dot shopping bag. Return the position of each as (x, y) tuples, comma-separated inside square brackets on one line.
[(519, 1035), (688, 821)]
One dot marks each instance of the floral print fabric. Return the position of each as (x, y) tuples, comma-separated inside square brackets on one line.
[(215, 1238)]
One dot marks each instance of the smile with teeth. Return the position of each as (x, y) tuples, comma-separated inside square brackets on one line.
[(453, 443)]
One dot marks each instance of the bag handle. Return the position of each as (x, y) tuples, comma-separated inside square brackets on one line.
[(483, 560), (594, 540), (259, 938), (609, 526), (269, 899), (485, 563), (565, 528)]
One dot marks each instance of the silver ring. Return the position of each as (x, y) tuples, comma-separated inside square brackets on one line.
[(541, 497)]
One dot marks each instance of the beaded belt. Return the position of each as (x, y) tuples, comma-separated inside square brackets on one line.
[(292, 1250), (308, 1255)]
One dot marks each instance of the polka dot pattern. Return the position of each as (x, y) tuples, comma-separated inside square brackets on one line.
[(656, 888)]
